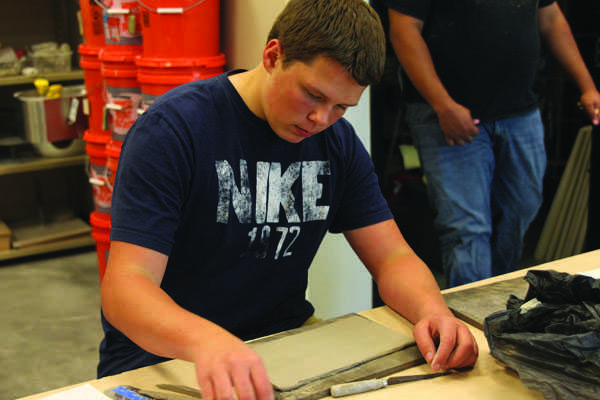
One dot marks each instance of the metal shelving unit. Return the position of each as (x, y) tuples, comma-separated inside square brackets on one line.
[(27, 163), (65, 244), (74, 75), (34, 163), (34, 188)]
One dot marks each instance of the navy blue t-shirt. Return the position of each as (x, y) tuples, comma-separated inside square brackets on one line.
[(239, 211), (485, 52)]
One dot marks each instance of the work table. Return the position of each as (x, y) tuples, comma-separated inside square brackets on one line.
[(489, 379)]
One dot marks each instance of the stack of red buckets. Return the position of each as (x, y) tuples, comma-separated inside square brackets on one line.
[(133, 52)]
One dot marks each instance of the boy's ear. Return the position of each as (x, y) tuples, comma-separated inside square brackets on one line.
[(271, 54)]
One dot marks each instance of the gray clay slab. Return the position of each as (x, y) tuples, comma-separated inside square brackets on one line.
[(317, 351)]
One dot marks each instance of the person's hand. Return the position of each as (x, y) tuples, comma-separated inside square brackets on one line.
[(445, 342), (590, 103), (226, 365), (457, 123)]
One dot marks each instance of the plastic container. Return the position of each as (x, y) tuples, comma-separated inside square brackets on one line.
[(95, 148), (10, 64), (10, 68), (59, 61), (180, 28), (159, 75), (94, 86), (92, 23), (122, 93), (101, 233)]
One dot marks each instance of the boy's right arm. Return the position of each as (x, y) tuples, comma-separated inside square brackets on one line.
[(134, 303)]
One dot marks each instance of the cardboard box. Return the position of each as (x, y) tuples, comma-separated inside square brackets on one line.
[(5, 236)]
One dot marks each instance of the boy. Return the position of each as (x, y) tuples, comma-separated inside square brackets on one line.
[(224, 191)]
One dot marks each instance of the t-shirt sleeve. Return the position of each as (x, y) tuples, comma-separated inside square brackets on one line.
[(150, 185), (362, 203)]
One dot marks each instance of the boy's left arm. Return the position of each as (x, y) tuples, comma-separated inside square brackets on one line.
[(407, 286)]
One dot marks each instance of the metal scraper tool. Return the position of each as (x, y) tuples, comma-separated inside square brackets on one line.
[(346, 389), (187, 390)]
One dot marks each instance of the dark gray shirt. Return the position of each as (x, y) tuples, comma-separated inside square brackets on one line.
[(485, 52)]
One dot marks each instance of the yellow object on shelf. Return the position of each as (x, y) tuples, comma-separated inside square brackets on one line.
[(44, 88), (54, 91), (41, 85)]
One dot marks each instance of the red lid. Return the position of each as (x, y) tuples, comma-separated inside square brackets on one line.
[(172, 79), (96, 137), (100, 220), (88, 50), (111, 54), (163, 62), (113, 149)]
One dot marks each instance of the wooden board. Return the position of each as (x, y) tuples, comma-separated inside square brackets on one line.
[(473, 305), (304, 363), (31, 234), (566, 224), (5, 236)]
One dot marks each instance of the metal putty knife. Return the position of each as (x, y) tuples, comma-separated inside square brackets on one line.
[(187, 390), (346, 389)]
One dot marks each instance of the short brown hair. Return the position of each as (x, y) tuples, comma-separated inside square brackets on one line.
[(348, 31)]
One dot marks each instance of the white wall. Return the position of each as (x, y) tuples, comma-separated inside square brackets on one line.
[(338, 282), (245, 25)]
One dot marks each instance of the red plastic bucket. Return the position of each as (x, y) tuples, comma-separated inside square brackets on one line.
[(95, 148), (159, 75), (180, 28), (92, 23), (113, 152), (101, 233), (94, 85), (122, 93), (122, 25)]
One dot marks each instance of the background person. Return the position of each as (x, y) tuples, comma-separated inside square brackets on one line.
[(475, 122)]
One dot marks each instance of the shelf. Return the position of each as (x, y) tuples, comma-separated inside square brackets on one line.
[(65, 244), (73, 75), (35, 163)]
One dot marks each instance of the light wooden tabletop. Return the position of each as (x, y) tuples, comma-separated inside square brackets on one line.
[(489, 379)]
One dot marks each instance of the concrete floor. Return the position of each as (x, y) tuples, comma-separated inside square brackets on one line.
[(49, 322)]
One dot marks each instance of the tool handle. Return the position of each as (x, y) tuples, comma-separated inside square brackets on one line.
[(124, 393), (346, 389)]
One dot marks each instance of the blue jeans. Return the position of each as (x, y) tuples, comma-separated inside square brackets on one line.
[(485, 193)]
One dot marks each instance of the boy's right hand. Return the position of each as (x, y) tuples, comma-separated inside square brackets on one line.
[(226, 366)]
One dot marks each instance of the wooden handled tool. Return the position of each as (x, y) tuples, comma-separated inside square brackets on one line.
[(346, 389)]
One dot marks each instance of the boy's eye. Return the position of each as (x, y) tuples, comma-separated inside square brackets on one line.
[(313, 96)]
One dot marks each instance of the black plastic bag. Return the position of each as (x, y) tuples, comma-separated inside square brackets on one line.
[(552, 337)]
